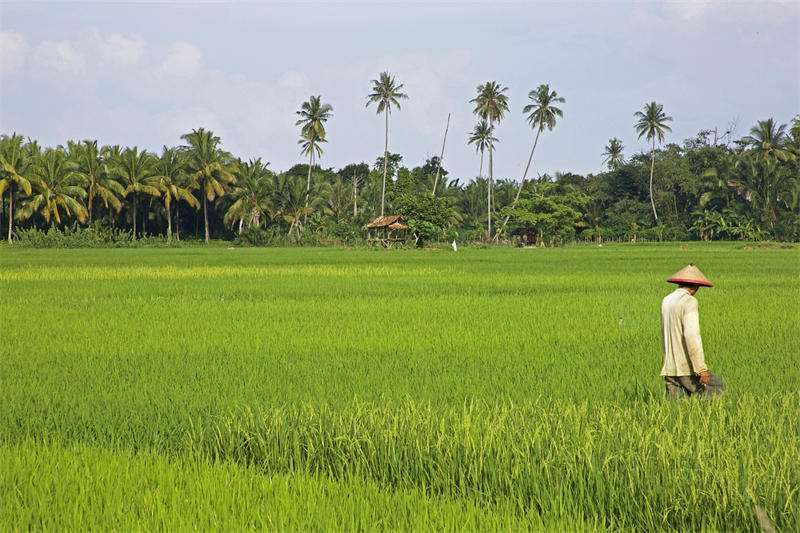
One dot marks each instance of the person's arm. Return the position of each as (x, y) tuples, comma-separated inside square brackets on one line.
[(694, 344)]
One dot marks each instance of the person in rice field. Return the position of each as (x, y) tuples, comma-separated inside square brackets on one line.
[(684, 367)]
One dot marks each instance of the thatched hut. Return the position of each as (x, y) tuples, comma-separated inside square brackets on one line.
[(386, 230)]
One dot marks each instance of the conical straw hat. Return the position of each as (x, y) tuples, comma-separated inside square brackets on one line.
[(690, 274)]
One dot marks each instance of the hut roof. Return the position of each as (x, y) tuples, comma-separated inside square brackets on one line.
[(397, 225), (385, 221)]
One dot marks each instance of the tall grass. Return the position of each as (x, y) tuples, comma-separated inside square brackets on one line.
[(521, 383), (649, 467)]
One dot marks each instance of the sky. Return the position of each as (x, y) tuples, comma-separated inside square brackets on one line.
[(144, 73)]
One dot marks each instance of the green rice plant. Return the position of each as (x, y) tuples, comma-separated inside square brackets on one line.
[(646, 467), (81, 488), (518, 382)]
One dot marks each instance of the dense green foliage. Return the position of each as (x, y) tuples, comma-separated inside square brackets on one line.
[(486, 389), (706, 188)]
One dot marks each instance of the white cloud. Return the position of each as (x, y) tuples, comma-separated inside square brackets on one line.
[(13, 48), (118, 49), (60, 56), (184, 59)]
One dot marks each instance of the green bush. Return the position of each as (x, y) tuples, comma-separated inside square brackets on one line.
[(93, 236)]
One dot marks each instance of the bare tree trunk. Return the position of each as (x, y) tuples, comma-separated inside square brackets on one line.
[(241, 221), (480, 172), (652, 164), (308, 183), (205, 215), (439, 166), (385, 159), (522, 183)]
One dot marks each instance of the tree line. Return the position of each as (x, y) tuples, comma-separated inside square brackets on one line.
[(708, 187)]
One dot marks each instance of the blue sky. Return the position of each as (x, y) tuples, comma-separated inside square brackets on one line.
[(143, 73)]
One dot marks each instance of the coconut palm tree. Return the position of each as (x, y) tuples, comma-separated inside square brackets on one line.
[(209, 166), (482, 138), (138, 173), (251, 194), (14, 173), (385, 93), (652, 123), (314, 115), (99, 179), (335, 197), (613, 153), (292, 208), (763, 182), (543, 113), (57, 187), (173, 182), (769, 141), (491, 105)]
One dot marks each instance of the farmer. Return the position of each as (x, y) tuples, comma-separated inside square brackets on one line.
[(684, 368)]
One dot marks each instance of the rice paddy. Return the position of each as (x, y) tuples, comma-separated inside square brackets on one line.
[(488, 389)]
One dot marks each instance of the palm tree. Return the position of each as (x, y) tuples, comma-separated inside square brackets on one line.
[(335, 197), (482, 138), (764, 182), (100, 180), (252, 199), (14, 173), (613, 153), (491, 105), (173, 182), (386, 94), (543, 115), (314, 114), (769, 141), (210, 167), (138, 173), (57, 187), (652, 123), (291, 201)]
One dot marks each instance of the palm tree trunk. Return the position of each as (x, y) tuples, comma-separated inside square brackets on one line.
[(652, 164), (10, 215), (205, 214), (489, 200), (385, 159), (169, 224), (134, 216), (308, 182), (355, 196), (178, 221), (91, 198), (522, 183), (439, 166), (480, 172)]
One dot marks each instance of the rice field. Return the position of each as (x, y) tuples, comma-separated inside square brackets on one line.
[(325, 389)]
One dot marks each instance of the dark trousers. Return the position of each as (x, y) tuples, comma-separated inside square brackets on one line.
[(683, 386)]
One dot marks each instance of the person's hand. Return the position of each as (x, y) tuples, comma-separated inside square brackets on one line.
[(704, 377)]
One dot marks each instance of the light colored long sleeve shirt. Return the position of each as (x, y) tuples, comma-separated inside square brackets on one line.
[(680, 331)]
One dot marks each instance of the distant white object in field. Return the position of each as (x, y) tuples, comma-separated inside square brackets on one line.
[(455, 248), (599, 245)]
